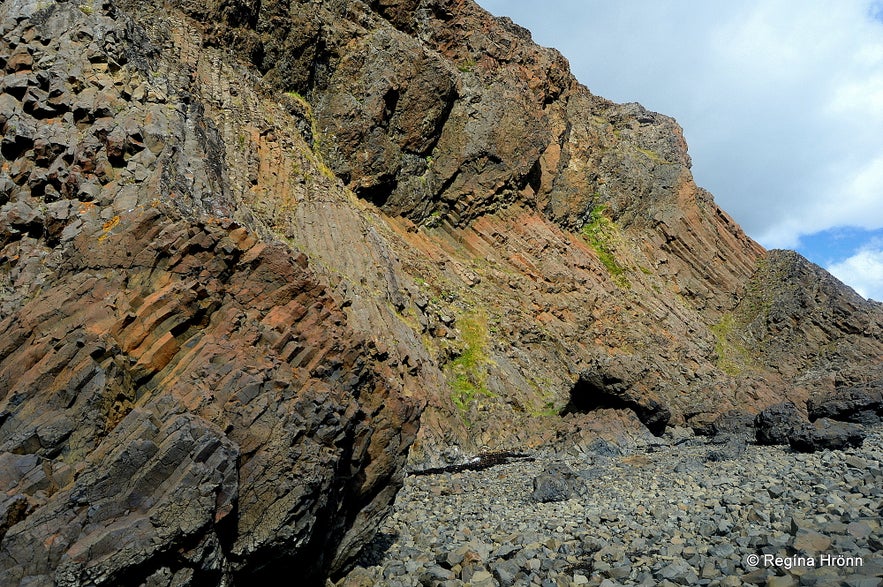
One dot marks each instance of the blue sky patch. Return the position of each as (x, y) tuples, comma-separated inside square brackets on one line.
[(836, 244)]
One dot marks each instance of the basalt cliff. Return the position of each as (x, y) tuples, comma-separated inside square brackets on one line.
[(259, 258)]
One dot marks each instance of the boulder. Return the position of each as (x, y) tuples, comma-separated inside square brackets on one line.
[(733, 422), (863, 405), (557, 482), (826, 434), (726, 447), (775, 424)]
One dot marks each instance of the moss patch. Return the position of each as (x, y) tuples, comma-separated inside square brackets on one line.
[(315, 132), (602, 234), (467, 373), (654, 156), (732, 357)]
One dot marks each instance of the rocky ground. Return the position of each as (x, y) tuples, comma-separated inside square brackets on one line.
[(682, 510)]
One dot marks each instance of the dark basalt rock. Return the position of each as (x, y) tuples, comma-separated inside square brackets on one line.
[(726, 447), (775, 424), (557, 482), (863, 405), (826, 434), (478, 463), (733, 422)]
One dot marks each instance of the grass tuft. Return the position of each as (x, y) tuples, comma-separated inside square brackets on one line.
[(602, 233)]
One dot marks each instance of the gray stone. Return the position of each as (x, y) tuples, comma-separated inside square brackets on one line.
[(826, 434)]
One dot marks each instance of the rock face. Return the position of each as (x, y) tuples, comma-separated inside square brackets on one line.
[(852, 404), (181, 401), (247, 249)]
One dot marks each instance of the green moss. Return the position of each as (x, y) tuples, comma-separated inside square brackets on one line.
[(758, 299), (549, 409), (602, 233), (732, 357), (467, 373), (654, 156), (467, 66), (319, 160), (433, 220)]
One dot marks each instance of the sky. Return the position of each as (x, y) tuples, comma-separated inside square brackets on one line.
[(781, 102)]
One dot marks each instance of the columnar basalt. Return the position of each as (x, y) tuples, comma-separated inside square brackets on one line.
[(256, 255)]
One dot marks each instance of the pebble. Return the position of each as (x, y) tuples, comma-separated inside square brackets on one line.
[(653, 520)]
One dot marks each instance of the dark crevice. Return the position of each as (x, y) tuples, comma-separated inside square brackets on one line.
[(12, 150), (390, 101), (534, 177), (378, 194), (174, 559), (599, 391), (449, 101)]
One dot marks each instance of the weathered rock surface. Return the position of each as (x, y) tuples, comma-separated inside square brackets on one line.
[(775, 424), (182, 401), (825, 434), (515, 232), (851, 404), (557, 482), (242, 244)]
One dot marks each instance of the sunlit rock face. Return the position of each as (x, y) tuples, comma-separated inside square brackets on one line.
[(252, 254)]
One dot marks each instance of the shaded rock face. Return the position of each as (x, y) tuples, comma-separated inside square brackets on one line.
[(603, 388), (863, 405)]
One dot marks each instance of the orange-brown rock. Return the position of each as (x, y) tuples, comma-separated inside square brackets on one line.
[(185, 391)]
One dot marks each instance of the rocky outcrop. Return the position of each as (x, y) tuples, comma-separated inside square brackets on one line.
[(514, 233), (182, 401), (863, 405), (605, 387), (801, 322), (244, 244), (175, 384)]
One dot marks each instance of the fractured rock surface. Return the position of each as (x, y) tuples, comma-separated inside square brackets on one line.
[(243, 245), (182, 401)]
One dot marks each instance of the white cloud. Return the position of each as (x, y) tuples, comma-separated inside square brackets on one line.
[(863, 271), (781, 100)]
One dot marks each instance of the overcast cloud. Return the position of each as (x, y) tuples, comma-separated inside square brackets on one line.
[(781, 102)]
